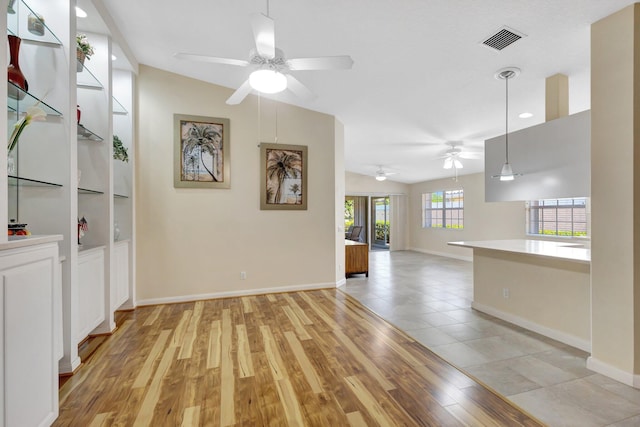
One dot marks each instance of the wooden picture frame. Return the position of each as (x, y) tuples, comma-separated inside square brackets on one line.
[(283, 177), (202, 152)]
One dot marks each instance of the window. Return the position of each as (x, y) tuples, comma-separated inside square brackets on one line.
[(558, 217), (443, 209)]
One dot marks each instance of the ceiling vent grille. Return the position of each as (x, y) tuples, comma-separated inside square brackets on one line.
[(502, 38)]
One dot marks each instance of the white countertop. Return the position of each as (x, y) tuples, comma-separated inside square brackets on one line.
[(542, 248), (23, 241)]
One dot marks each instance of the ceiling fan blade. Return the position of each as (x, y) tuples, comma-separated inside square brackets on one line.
[(470, 155), (299, 89), (343, 62), (448, 163), (240, 94), (264, 34), (212, 59)]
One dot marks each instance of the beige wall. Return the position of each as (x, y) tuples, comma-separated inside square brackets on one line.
[(550, 296), (482, 220), (360, 185), (615, 74), (195, 242)]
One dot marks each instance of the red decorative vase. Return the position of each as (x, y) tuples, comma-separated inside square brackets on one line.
[(14, 73)]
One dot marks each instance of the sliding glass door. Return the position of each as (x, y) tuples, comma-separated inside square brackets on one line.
[(380, 223)]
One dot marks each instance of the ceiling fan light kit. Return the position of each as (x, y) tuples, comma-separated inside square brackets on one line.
[(268, 81), (380, 177), (506, 173)]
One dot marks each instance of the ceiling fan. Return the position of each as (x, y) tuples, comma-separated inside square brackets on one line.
[(381, 175), (270, 67), (455, 152)]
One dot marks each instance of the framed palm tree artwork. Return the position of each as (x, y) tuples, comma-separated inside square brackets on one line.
[(283, 171), (202, 152)]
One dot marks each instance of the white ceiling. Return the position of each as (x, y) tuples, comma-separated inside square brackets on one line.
[(420, 77)]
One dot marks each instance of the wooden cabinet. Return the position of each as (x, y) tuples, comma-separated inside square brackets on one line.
[(356, 258), (29, 363)]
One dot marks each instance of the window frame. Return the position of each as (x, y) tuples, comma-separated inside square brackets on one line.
[(450, 213), (534, 224)]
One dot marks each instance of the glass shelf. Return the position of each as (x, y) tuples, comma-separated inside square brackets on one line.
[(120, 196), (18, 25), (27, 101), (86, 134), (85, 78), (87, 191), (118, 108), (14, 181)]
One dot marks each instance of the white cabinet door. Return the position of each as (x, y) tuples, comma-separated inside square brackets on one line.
[(90, 292), (30, 368), (121, 273)]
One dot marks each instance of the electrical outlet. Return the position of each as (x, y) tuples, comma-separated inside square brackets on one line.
[(243, 275), (505, 292)]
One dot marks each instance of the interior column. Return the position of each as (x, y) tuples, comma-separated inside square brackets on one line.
[(615, 198)]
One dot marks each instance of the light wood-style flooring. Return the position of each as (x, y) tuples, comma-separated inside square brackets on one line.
[(314, 358)]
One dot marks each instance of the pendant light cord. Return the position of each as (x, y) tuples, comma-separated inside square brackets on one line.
[(506, 118)]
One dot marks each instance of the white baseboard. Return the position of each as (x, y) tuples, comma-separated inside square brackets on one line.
[(66, 367), (341, 282), (444, 254), (239, 293), (555, 334), (617, 374)]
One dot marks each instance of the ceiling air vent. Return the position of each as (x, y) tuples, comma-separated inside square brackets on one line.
[(502, 38)]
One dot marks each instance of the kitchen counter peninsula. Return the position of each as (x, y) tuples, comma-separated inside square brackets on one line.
[(540, 285)]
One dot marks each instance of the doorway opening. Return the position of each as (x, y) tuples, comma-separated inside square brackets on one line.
[(355, 218), (380, 225)]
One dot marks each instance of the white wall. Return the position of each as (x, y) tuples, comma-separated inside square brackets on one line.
[(482, 220), (554, 159), (195, 242)]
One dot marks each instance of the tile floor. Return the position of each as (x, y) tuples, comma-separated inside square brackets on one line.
[(429, 297)]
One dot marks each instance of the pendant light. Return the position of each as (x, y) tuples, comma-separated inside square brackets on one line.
[(506, 173)]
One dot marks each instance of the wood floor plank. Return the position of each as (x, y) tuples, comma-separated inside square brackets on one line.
[(373, 407), (295, 321), (253, 368), (245, 364), (319, 311), (246, 305), (186, 348), (273, 355), (463, 416), (289, 402), (181, 329), (307, 368), (153, 316), (364, 360), (145, 415), (145, 373), (296, 309), (227, 402), (191, 417), (356, 420), (100, 419), (215, 345)]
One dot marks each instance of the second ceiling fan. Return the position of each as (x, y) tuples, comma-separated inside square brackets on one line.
[(271, 67)]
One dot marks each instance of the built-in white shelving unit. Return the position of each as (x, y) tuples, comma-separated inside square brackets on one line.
[(64, 167)]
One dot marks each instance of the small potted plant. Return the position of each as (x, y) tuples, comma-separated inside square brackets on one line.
[(119, 150), (83, 50)]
